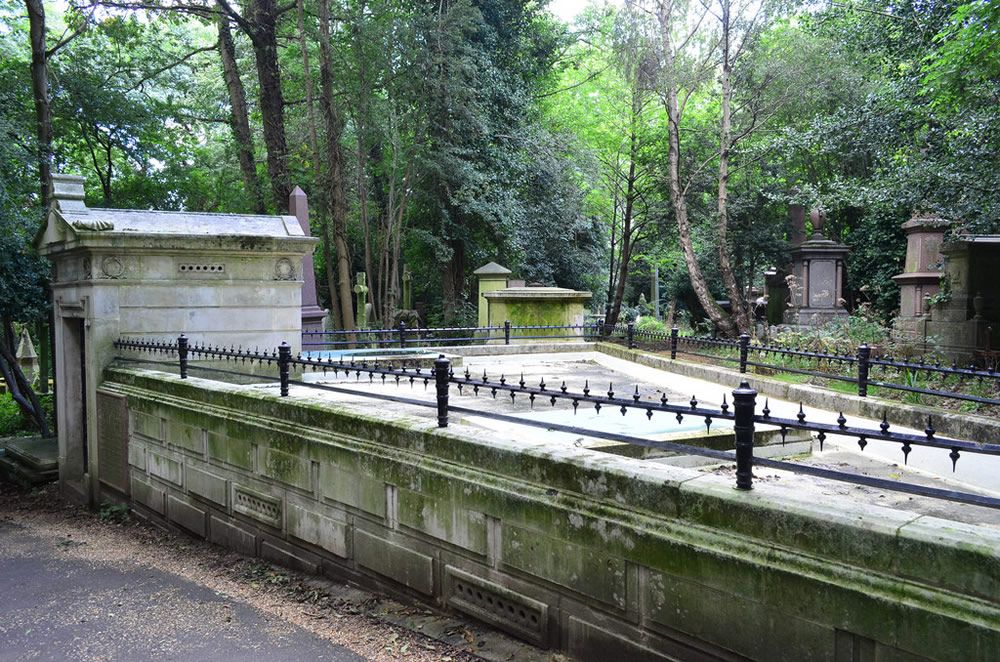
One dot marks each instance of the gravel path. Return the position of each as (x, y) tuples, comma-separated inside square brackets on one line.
[(76, 585)]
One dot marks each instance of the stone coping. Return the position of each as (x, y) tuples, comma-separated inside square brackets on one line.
[(871, 550), (929, 276), (170, 244), (546, 293)]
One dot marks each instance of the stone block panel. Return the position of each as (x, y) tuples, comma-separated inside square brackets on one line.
[(286, 468), (232, 536), (187, 437), (206, 485), (137, 455), (756, 629), (316, 529), (234, 451), (188, 516), (147, 495), (409, 568), (443, 519), (353, 489), (582, 569), (147, 425), (165, 468), (589, 642), (501, 607)]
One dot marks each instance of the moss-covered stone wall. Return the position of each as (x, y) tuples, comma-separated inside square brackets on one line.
[(604, 557)]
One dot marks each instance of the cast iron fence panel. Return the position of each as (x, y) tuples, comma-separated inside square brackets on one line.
[(403, 336), (862, 363), (742, 412)]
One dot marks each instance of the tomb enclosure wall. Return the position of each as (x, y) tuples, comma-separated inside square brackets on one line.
[(600, 556)]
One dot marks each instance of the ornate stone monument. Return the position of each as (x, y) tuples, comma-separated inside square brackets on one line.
[(221, 279), (819, 265)]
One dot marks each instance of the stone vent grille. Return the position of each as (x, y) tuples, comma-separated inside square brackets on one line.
[(202, 268), (507, 610), (257, 506)]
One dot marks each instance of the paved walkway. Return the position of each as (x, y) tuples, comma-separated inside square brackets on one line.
[(57, 607)]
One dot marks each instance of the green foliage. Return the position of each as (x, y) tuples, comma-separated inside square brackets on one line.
[(651, 325), (507, 131), (113, 513), (13, 423)]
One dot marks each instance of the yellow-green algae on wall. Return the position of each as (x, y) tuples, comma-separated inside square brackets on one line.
[(595, 554), (537, 306)]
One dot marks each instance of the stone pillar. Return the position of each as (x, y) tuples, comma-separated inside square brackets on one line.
[(492, 277), (407, 288), (921, 277), (312, 314), (361, 293)]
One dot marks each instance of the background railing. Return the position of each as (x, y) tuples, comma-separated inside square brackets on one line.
[(742, 412), (862, 369), (403, 336)]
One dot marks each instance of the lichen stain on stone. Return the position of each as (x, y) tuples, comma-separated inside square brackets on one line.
[(595, 487)]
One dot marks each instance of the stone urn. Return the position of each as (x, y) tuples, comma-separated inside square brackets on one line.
[(818, 218)]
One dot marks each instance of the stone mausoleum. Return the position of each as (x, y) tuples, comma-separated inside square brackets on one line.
[(502, 300), (221, 279)]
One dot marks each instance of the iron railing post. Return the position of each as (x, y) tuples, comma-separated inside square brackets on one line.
[(630, 335), (182, 355), (402, 333), (864, 356), (506, 332), (442, 367), (673, 343), (744, 350), (744, 401), (284, 361)]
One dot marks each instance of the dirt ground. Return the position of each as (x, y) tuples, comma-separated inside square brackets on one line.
[(366, 624)]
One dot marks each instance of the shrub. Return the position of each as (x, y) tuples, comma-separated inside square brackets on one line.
[(10, 416)]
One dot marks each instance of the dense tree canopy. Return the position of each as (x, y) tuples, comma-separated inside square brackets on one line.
[(440, 135)]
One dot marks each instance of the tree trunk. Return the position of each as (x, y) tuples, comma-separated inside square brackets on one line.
[(335, 167), (40, 89), (263, 23), (625, 254), (17, 384), (239, 120), (677, 199), (736, 300)]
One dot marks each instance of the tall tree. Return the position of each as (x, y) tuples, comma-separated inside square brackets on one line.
[(40, 90), (240, 118), (335, 188)]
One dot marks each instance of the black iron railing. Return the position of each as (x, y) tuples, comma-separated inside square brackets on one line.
[(403, 336), (742, 412), (862, 369)]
